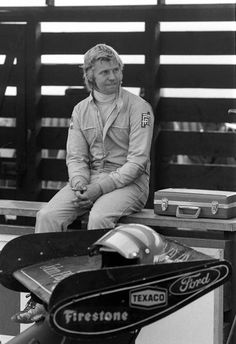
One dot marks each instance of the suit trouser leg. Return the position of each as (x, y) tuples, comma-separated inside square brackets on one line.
[(58, 213), (109, 208)]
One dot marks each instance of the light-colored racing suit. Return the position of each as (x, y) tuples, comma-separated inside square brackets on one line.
[(116, 155)]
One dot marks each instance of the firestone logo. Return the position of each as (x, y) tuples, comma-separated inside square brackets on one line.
[(148, 298), (72, 316), (191, 283)]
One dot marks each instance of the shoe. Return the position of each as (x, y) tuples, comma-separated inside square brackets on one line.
[(33, 312)]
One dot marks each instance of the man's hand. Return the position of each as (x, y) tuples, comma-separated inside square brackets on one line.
[(92, 192), (83, 204), (87, 195), (80, 187), (78, 201)]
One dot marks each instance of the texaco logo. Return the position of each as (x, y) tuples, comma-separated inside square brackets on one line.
[(148, 298)]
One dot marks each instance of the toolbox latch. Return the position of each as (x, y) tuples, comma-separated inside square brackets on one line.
[(214, 207), (164, 204)]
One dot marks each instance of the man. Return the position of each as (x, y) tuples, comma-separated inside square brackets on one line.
[(108, 149)]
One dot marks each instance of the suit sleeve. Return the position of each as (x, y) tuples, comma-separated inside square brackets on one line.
[(138, 158), (77, 157)]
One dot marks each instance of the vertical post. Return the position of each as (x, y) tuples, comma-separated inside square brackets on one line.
[(31, 184), (6, 76), (152, 88), (21, 144), (152, 61)]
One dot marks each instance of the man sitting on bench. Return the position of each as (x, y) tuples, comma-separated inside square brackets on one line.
[(108, 156)]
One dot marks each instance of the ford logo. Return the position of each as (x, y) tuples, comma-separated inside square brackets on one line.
[(193, 282)]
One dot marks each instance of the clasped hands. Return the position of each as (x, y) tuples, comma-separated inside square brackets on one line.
[(86, 195)]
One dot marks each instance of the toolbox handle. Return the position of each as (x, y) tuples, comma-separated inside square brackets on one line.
[(183, 215)]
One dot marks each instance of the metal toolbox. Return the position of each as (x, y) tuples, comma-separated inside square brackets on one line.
[(194, 203)]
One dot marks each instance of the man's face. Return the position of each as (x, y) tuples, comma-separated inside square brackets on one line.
[(107, 76)]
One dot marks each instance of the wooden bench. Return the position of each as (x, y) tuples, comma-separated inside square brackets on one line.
[(20, 208), (13, 208), (146, 217)]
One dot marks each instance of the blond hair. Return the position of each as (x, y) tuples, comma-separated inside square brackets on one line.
[(100, 52)]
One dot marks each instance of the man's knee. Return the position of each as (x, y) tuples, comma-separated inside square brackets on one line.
[(45, 214), (99, 221), (47, 220)]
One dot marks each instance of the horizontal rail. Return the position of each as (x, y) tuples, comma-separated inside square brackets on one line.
[(214, 12), (196, 110), (75, 43), (217, 144), (214, 177), (135, 75)]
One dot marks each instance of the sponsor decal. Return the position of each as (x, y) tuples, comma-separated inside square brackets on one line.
[(56, 272), (194, 282), (72, 316), (145, 120), (136, 304), (90, 318), (172, 255), (148, 298)]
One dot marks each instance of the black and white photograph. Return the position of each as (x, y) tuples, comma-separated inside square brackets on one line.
[(117, 171)]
